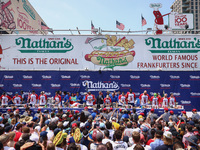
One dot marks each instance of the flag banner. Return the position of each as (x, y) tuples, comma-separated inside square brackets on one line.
[(92, 27), (144, 22), (120, 25)]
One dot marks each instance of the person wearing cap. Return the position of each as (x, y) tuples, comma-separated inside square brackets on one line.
[(86, 112), (158, 140), (77, 136), (165, 101), (172, 101), (152, 115), (184, 116), (35, 135), (166, 115), (75, 120), (195, 115), (174, 117), (167, 139), (60, 140), (118, 143), (44, 139), (5, 99), (33, 98), (188, 134), (155, 101), (84, 140), (17, 99), (90, 98), (193, 142), (97, 142), (42, 99), (144, 98)]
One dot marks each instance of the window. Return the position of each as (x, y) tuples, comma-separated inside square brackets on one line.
[(192, 7), (191, 3)]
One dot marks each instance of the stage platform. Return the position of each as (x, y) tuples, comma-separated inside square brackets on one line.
[(139, 110)]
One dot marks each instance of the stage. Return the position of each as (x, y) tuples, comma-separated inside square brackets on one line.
[(138, 110)]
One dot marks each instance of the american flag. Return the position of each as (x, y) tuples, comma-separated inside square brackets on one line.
[(120, 25), (92, 27), (144, 22), (44, 26)]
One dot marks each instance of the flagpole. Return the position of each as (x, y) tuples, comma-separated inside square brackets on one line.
[(141, 23)]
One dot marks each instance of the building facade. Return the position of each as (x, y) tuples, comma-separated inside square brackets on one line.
[(188, 6)]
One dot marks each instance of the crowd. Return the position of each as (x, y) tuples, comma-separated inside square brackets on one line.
[(101, 129), (67, 99)]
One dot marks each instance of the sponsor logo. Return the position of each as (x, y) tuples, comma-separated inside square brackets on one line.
[(85, 77), (194, 77), (177, 94), (114, 77), (36, 85), (152, 77), (75, 84), (137, 93), (172, 77), (27, 77), (48, 93), (173, 45), (55, 85), (43, 45), (8, 77), (9, 93), (152, 93), (145, 85), (45, 77), (135, 77), (17, 85), (185, 86), (185, 102), (64, 77), (1, 85), (100, 86), (165, 85), (194, 94), (125, 85)]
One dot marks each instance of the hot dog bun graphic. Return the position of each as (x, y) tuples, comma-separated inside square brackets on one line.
[(110, 51)]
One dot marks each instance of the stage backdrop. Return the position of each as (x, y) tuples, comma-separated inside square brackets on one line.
[(118, 52), (184, 84)]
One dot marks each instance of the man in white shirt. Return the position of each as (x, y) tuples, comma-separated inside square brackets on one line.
[(136, 140), (119, 144), (129, 130), (106, 137), (35, 135), (50, 133)]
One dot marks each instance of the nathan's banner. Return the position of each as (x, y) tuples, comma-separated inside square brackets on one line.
[(119, 52), (178, 21)]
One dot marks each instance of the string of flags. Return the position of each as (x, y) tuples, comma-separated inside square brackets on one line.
[(120, 25)]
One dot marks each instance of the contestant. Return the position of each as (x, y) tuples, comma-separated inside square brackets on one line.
[(172, 101), (89, 99), (144, 98), (57, 99), (42, 99), (130, 97), (107, 101), (5, 99), (33, 98), (17, 99), (165, 101), (122, 99), (155, 101)]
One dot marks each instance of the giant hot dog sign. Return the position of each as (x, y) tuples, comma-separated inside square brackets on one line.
[(110, 51)]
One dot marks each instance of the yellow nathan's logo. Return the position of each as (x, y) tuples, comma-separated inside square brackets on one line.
[(110, 51)]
